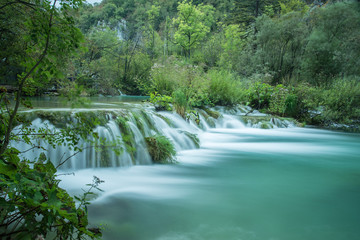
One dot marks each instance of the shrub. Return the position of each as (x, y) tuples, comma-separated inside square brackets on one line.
[(181, 102), (161, 149), (161, 102), (342, 101), (163, 79), (223, 89), (308, 99), (259, 95), (278, 101), (33, 204), (300, 102)]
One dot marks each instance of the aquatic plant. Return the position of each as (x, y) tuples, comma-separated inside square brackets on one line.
[(161, 149), (194, 138), (127, 136)]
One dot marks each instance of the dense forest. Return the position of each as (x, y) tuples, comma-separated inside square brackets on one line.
[(290, 58)]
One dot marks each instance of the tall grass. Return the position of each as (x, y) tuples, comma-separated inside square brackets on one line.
[(224, 88)]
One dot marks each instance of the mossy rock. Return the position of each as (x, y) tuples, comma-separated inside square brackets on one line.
[(57, 118), (212, 113), (268, 119), (210, 120), (266, 125), (167, 120), (256, 119), (161, 149), (194, 138), (139, 120)]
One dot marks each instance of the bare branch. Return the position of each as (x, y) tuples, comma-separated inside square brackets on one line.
[(30, 149), (68, 158)]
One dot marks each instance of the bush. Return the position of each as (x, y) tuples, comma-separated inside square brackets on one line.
[(308, 99), (161, 102), (161, 149), (342, 101), (181, 102), (278, 101), (224, 89), (33, 204), (259, 95), (166, 77), (300, 102)]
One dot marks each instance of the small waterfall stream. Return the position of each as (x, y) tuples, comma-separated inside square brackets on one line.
[(250, 179), (129, 128)]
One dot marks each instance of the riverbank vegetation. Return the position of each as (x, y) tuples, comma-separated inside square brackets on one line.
[(36, 37), (161, 149), (291, 58)]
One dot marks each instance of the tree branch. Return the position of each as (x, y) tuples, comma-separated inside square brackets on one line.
[(22, 82)]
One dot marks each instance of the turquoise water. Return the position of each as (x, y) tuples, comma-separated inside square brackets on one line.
[(242, 184), (53, 102)]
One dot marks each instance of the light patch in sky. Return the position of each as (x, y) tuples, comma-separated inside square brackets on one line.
[(93, 1)]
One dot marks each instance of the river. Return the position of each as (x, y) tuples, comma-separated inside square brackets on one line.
[(242, 184)]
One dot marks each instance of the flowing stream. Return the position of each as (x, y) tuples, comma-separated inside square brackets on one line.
[(243, 183)]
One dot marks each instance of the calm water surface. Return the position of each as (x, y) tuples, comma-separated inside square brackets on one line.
[(243, 184), (52, 103)]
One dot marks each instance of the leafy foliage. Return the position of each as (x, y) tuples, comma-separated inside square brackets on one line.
[(192, 24), (342, 102), (161, 149), (33, 204), (288, 6), (161, 102), (223, 89), (332, 48)]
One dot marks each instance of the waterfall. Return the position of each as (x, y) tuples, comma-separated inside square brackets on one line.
[(129, 128)]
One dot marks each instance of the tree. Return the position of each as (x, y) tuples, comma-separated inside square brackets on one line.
[(333, 48), (245, 12), (192, 25), (288, 6), (232, 46), (281, 43), (152, 15), (32, 203)]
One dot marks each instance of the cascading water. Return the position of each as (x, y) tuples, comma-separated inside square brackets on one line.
[(129, 128), (243, 182)]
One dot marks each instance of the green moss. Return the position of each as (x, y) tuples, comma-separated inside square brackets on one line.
[(194, 138), (161, 149), (148, 120), (93, 118), (139, 122), (127, 136), (61, 118), (167, 120), (104, 157), (57, 118), (265, 119), (266, 126), (212, 113), (208, 119), (256, 119)]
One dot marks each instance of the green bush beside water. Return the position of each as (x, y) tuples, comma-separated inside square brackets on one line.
[(194, 87), (161, 149)]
